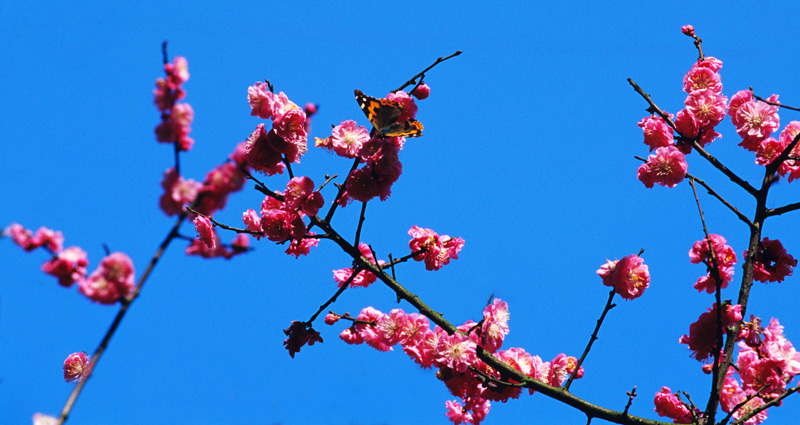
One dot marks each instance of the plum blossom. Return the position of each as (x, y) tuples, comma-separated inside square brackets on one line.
[(438, 250), (75, 367), (629, 276), (112, 281), (657, 133), (671, 406), (772, 263), (667, 168), (69, 266), (702, 338), (205, 230), (707, 107)]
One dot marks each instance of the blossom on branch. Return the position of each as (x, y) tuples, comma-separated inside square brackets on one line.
[(629, 276), (75, 367), (667, 168)]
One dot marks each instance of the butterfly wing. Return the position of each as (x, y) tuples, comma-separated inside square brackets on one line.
[(380, 112), (383, 114), (410, 128)]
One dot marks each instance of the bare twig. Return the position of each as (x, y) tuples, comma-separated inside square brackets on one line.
[(592, 339)]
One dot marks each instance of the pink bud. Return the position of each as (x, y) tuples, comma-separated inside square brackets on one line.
[(75, 367), (688, 30), (422, 91)]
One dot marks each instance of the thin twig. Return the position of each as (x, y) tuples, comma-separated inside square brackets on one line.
[(592, 339), (717, 276), (118, 319), (768, 102), (335, 296), (713, 193), (413, 79), (631, 396), (361, 219)]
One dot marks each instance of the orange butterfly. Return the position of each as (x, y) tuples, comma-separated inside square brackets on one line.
[(383, 114)]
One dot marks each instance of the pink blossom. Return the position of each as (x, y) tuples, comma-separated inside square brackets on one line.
[(348, 138), (280, 225), (177, 192), (560, 369), (687, 30), (178, 70), (455, 351), (260, 99), (791, 167), (390, 327), (300, 334), (702, 338), (205, 230), (667, 168), (711, 63), (421, 92), (772, 263), (252, 222), (457, 414), (737, 100), (303, 246), (75, 367), (112, 281), (629, 276), (369, 331), (686, 124), (376, 178), (351, 336), (657, 133), (20, 235), (669, 405), (768, 151), (701, 78), (291, 128), (363, 278), (756, 120), (708, 283), (438, 250), (69, 266), (725, 255), (332, 318), (707, 107), (406, 102), (261, 154), (182, 114), (495, 325), (300, 194)]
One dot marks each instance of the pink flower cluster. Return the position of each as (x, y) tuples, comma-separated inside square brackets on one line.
[(363, 278), (629, 276), (283, 220), (704, 108), (702, 338), (767, 361), (177, 192), (75, 367), (671, 406), (112, 280), (437, 250), (287, 137), (772, 263), (455, 355), (176, 117), (725, 259), (382, 166)]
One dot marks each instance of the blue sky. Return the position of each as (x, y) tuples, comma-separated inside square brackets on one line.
[(527, 155)]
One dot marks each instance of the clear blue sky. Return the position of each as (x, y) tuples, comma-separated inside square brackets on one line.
[(527, 155)]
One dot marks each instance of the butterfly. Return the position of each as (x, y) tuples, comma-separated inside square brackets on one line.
[(383, 114)]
